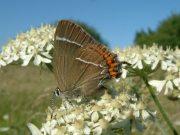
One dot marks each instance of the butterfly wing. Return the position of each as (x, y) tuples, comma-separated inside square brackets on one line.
[(69, 38), (80, 62), (95, 63)]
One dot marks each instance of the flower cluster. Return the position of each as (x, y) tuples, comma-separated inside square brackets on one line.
[(168, 61), (96, 117), (35, 45)]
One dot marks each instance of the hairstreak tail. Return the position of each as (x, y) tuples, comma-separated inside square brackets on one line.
[(80, 62)]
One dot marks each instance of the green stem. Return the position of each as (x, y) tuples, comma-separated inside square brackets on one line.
[(158, 104), (49, 66)]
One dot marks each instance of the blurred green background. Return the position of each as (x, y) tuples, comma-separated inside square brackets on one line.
[(25, 94)]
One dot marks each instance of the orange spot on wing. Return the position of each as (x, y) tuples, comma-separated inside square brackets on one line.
[(110, 69), (101, 52), (109, 62), (113, 74), (106, 55), (109, 58), (113, 65)]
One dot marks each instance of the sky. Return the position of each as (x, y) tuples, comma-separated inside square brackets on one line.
[(116, 20)]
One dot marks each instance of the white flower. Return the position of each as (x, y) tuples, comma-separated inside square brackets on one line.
[(124, 73), (97, 130), (34, 130), (167, 84), (26, 59), (4, 129), (87, 130), (94, 117), (47, 127), (2, 62), (177, 82), (168, 87), (38, 54), (57, 131), (7, 55), (49, 47), (136, 61), (69, 118), (158, 84), (77, 128), (34, 44), (140, 110), (169, 66), (38, 59), (145, 114)]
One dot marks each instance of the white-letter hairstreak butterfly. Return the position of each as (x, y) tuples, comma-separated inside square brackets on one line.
[(80, 62)]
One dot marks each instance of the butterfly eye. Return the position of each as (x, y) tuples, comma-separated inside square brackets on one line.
[(57, 92)]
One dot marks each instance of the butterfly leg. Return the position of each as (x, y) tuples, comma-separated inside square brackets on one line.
[(101, 82), (67, 103)]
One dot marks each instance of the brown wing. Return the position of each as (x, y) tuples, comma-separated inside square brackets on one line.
[(69, 38), (93, 74)]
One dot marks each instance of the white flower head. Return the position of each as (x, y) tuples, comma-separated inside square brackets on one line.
[(34, 44), (94, 117), (167, 85)]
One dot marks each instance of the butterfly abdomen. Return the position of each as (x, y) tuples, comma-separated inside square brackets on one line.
[(113, 64)]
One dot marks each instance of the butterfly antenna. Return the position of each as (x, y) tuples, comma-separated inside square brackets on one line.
[(126, 63)]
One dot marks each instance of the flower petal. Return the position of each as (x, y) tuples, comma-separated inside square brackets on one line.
[(97, 131), (154, 65), (34, 130), (124, 73), (37, 60), (2, 63), (26, 59), (157, 84), (94, 117), (163, 65), (145, 114), (177, 82), (169, 86), (87, 130), (49, 47)]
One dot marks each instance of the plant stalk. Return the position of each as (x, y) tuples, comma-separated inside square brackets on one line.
[(159, 106)]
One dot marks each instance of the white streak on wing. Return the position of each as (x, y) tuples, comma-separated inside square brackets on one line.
[(97, 65), (67, 40), (103, 71)]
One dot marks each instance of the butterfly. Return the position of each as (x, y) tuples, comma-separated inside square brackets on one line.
[(80, 62)]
